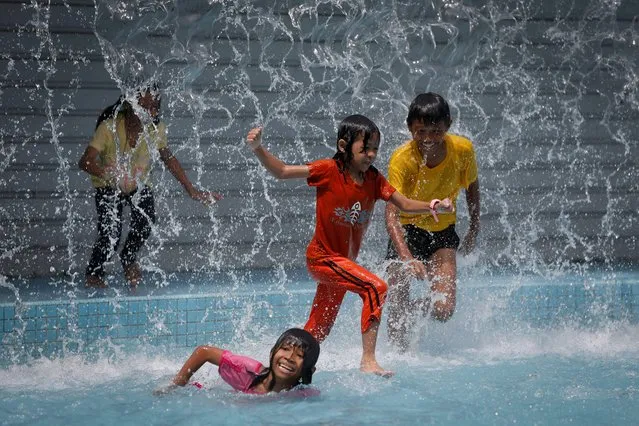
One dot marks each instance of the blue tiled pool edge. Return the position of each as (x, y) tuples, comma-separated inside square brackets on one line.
[(46, 328), (50, 328)]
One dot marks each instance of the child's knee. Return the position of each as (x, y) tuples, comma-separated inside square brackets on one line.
[(381, 292), (444, 309), (381, 287)]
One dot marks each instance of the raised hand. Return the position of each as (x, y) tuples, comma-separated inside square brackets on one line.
[(254, 138)]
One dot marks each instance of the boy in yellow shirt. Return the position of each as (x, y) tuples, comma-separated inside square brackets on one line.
[(432, 165)]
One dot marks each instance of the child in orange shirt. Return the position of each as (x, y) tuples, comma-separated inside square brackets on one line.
[(347, 188)]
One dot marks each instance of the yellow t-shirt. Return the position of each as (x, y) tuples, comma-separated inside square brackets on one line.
[(111, 142), (408, 174)]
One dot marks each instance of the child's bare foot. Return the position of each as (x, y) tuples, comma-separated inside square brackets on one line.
[(93, 281), (374, 368), (133, 274)]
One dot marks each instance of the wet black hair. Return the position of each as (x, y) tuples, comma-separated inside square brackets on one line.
[(429, 108), (349, 129), (302, 339), (124, 106)]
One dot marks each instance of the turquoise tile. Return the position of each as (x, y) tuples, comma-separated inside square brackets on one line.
[(62, 323), (41, 311), (123, 332), (170, 317), (134, 307), (29, 312), (92, 321), (55, 348), (92, 334), (192, 304), (30, 336), (231, 304), (103, 308), (192, 328), (181, 329), (192, 340), (194, 316), (83, 321), (132, 319), (52, 335), (83, 309), (9, 312), (165, 340), (172, 328), (53, 310), (30, 324), (180, 340), (208, 327), (41, 323)]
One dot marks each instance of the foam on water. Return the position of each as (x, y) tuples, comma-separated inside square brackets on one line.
[(442, 348)]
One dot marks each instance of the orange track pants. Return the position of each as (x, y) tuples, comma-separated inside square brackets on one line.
[(336, 276)]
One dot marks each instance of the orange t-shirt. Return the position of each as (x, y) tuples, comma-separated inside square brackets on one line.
[(343, 208)]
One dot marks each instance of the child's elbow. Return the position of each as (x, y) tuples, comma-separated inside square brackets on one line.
[(281, 173), (402, 204), (201, 349)]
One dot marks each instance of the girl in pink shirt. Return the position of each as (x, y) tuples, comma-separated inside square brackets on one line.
[(292, 362)]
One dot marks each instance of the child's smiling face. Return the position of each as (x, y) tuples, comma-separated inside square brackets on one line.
[(428, 135), (364, 156), (287, 363)]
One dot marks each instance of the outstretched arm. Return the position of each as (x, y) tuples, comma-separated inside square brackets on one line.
[(178, 172), (274, 165), (396, 234), (414, 206), (473, 202), (200, 355)]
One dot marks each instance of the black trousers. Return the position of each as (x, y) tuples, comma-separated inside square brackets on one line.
[(109, 204)]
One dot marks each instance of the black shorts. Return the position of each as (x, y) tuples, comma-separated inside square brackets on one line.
[(422, 244)]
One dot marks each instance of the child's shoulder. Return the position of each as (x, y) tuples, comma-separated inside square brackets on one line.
[(461, 141), (325, 162), (323, 165), (404, 150)]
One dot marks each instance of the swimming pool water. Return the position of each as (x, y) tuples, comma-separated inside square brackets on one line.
[(518, 351), (474, 387)]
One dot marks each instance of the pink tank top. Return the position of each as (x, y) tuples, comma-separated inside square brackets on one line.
[(239, 371)]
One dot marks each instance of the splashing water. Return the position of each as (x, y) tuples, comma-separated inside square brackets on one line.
[(547, 91)]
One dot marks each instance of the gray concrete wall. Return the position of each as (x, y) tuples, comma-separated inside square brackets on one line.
[(547, 90)]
